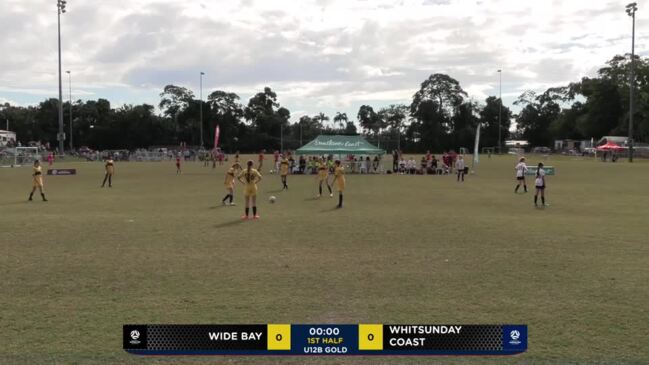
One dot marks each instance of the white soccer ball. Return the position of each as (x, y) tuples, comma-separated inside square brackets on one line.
[(272, 199)]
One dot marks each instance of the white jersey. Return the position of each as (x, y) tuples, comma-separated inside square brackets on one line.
[(459, 165), (540, 178), (521, 169)]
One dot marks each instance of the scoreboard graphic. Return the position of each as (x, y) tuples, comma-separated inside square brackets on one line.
[(325, 339)]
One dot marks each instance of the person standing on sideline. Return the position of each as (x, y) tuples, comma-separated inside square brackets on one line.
[(459, 168), (110, 170), (539, 182), (251, 178), (283, 170), (50, 159), (37, 180), (521, 169), (339, 179)]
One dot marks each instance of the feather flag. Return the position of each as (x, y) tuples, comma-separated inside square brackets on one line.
[(476, 147), (217, 131)]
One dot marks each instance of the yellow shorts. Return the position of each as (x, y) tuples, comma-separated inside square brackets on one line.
[(229, 186), (322, 177), (341, 186), (110, 170), (37, 182), (250, 191)]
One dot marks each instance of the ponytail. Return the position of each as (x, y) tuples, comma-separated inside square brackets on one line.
[(538, 169), (248, 174)]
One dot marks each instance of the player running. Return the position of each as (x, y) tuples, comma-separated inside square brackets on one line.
[(539, 182), (110, 169), (339, 179), (251, 178), (283, 169), (521, 169), (37, 181), (229, 184), (323, 177)]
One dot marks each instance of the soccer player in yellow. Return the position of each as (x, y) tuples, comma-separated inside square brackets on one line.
[(229, 183), (339, 179), (283, 168), (323, 176), (37, 180), (250, 178), (110, 169)]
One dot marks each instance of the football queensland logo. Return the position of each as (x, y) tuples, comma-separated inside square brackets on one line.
[(135, 334), (514, 335)]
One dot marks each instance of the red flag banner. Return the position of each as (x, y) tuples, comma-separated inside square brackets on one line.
[(216, 136)]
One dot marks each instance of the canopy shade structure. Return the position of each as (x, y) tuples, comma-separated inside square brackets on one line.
[(610, 146), (339, 145)]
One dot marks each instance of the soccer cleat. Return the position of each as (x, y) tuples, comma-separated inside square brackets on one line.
[(256, 216), (244, 217), (232, 204), (331, 195)]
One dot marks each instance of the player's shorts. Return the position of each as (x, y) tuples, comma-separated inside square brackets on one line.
[(110, 170), (37, 182), (322, 177), (520, 177), (541, 187), (341, 186), (250, 191), (229, 186)]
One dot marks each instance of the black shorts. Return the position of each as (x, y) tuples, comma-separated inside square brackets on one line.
[(520, 177), (541, 187)]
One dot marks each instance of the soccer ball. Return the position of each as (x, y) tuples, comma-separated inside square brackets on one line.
[(272, 199)]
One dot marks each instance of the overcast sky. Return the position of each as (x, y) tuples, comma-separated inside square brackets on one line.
[(318, 55)]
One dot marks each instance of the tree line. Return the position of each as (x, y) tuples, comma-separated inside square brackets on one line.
[(440, 117)]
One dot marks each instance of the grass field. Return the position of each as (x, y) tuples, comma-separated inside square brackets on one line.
[(159, 248)]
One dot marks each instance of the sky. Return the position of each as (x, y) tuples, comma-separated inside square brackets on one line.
[(318, 55)]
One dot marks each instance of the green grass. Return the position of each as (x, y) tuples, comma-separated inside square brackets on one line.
[(159, 248)]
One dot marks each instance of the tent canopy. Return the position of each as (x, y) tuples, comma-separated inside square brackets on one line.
[(339, 145), (610, 146)]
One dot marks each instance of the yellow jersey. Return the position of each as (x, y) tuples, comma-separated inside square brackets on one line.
[(323, 172), (37, 181), (250, 179), (229, 178), (110, 166), (283, 166), (339, 173)]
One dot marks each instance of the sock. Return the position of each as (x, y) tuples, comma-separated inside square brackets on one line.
[(329, 187), (254, 210), (340, 200), (231, 197), (31, 195), (535, 199), (104, 183), (516, 190), (224, 198), (320, 189), (110, 180), (43, 196), (525, 187), (247, 210), (543, 200)]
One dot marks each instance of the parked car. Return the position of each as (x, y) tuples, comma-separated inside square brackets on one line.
[(542, 150)]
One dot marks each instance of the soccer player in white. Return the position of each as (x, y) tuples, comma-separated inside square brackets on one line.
[(459, 168), (521, 169)]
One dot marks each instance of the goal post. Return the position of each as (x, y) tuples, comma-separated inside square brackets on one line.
[(19, 156)]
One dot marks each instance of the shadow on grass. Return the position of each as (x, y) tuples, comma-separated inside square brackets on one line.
[(311, 199), (274, 191), (229, 224), (219, 206)]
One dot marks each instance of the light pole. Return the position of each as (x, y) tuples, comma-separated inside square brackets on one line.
[(201, 95), (60, 4), (500, 111), (70, 82), (630, 10)]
